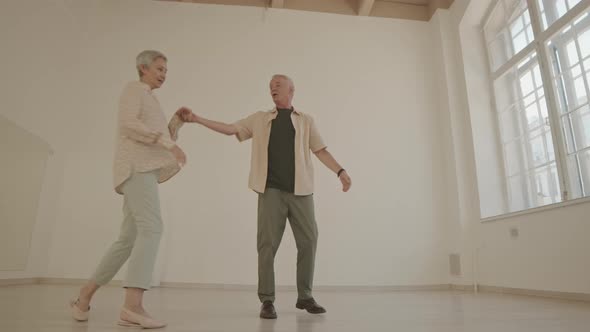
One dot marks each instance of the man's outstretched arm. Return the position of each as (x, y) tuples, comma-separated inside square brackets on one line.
[(224, 128), (327, 159)]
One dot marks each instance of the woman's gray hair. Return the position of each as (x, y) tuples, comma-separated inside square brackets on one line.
[(146, 58)]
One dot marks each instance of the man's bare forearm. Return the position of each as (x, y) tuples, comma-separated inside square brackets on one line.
[(220, 127), (327, 159)]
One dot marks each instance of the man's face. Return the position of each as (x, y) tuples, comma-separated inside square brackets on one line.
[(280, 90), (155, 74)]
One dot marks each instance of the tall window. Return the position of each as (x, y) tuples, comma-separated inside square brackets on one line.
[(569, 52), (539, 55)]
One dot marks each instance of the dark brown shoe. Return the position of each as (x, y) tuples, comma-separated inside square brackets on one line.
[(310, 305), (268, 310)]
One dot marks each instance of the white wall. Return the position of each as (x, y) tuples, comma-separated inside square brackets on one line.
[(462, 183), (367, 81), (21, 181), (551, 252), (35, 96)]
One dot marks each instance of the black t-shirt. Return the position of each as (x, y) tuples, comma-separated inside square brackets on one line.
[(281, 153)]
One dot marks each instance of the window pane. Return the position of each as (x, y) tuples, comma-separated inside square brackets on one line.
[(538, 79), (526, 83), (506, 91), (581, 127), (568, 131), (519, 42), (574, 177), (570, 51), (584, 43), (507, 31), (570, 58), (552, 10), (585, 170), (513, 153), (580, 95), (509, 125), (539, 153), (579, 166), (498, 51), (556, 184), (526, 135), (572, 54), (549, 145), (532, 116), (546, 185), (517, 189), (517, 26)]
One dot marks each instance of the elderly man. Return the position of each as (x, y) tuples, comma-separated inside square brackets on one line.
[(282, 175)]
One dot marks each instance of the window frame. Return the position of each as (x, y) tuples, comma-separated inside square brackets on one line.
[(540, 49)]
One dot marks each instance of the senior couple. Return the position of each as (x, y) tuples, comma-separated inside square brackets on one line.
[(283, 141)]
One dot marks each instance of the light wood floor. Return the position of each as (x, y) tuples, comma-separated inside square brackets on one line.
[(43, 308)]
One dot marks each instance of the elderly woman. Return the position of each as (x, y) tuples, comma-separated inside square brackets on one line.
[(146, 155)]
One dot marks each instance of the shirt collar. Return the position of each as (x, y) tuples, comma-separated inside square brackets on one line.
[(275, 110), (144, 85)]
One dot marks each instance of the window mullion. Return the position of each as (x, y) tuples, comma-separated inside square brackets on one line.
[(500, 148), (525, 143), (550, 98)]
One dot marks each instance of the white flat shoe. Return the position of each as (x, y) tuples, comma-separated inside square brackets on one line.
[(132, 319), (77, 313), (128, 324)]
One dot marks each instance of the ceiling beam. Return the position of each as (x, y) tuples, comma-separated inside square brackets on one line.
[(400, 9), (277, 3), (436, 4), (365, 7)]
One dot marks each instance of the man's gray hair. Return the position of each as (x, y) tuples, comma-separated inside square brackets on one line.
[(285, 77), (146, 58)]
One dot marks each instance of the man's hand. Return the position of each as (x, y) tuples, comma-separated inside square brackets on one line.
[(179, 155), (186, 114), (346, 181)]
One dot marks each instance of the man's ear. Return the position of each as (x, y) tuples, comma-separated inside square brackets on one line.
[(143, 69)]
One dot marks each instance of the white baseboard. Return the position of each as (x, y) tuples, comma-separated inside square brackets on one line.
[(18, 282), (463, 288), (236, 287), (384, 288), (51, 281), (325, 288), (533, 292), (321, 288), (74, 282)]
